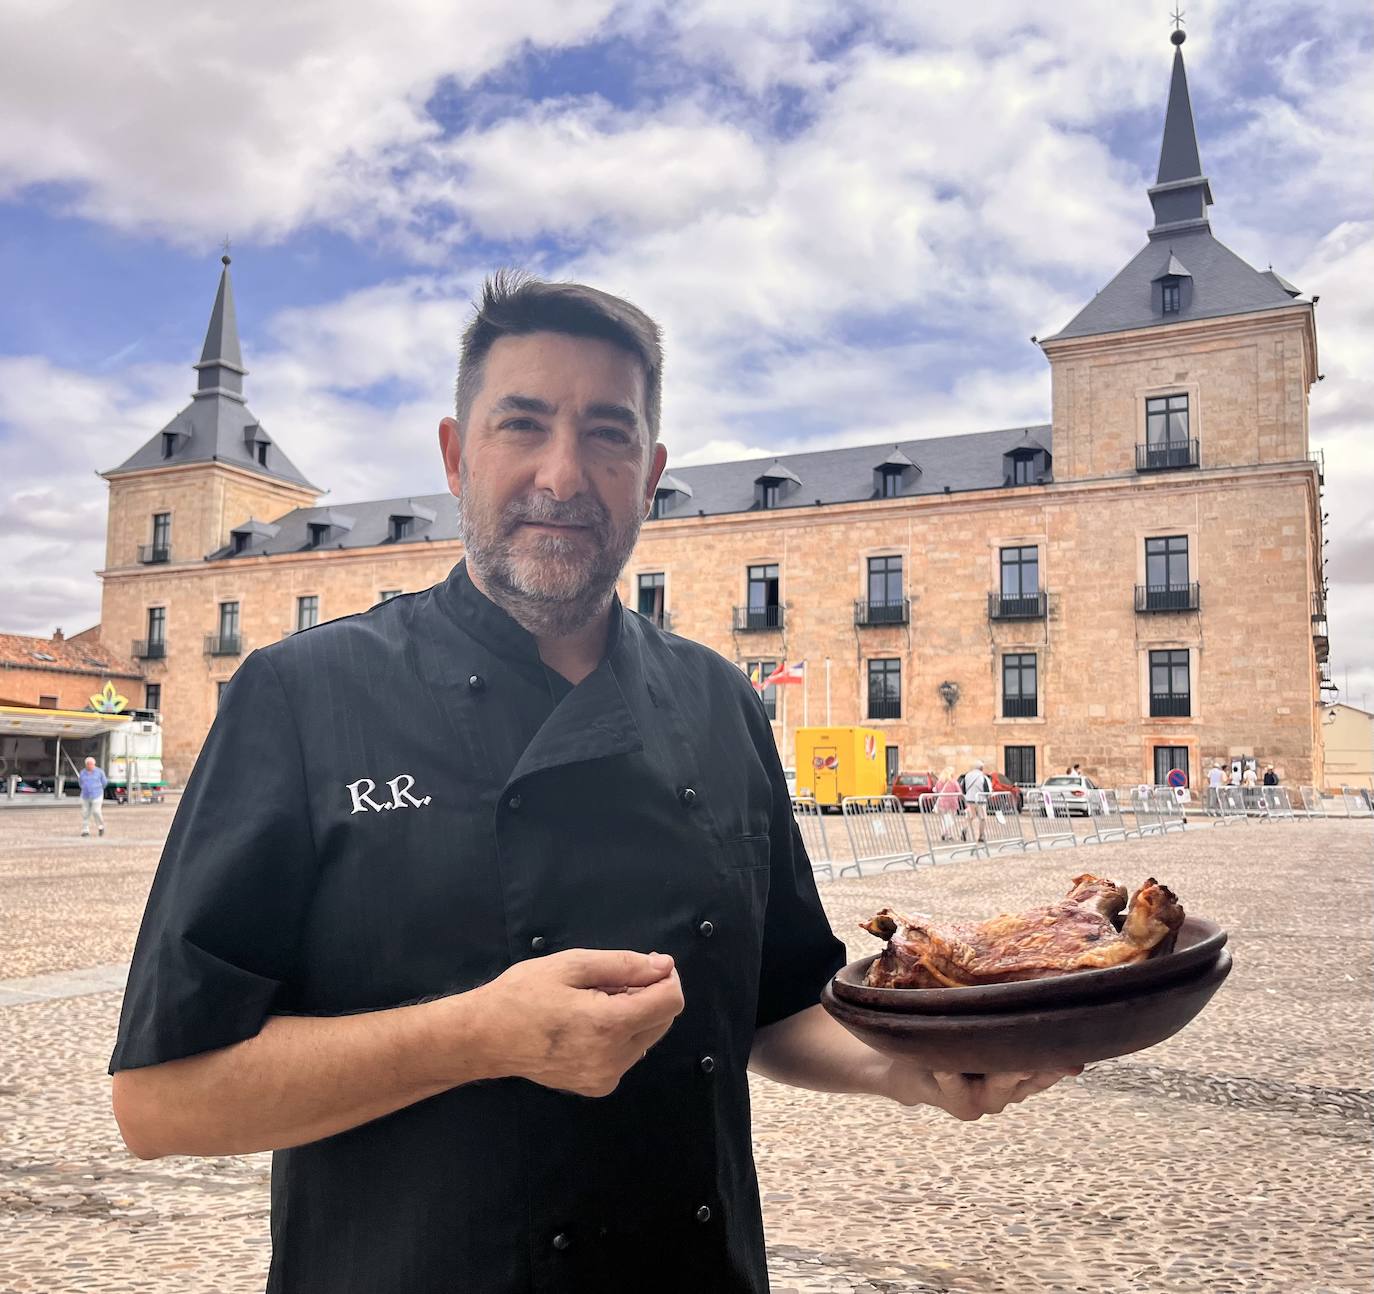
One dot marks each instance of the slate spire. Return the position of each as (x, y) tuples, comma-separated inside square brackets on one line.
[(1181, 194), (221, 362)]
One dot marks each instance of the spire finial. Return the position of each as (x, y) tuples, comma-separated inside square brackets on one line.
[(224, 247), (1179, 35)]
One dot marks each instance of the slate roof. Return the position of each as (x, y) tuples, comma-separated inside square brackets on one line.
[(973, 461), (1223, 284), (20, 651), (217, 426)]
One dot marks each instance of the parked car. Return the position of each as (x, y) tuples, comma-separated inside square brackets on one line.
[(909, 787), (1068, 793)]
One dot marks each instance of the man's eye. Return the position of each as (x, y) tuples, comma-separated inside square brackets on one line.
[(519, 424), (614, 434)]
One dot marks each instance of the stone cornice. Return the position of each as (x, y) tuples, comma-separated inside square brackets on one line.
[(233, 469)]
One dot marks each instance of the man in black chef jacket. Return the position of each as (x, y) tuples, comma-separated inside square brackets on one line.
[(479, 905)]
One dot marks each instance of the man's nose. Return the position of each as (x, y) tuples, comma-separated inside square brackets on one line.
[(560, 470)]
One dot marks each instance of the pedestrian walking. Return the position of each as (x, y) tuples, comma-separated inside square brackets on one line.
[(976, 788), (483, 956), (947, 803), (1215, 776), (93, 782)]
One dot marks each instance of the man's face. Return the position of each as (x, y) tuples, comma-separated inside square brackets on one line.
[(90, 763), (554, 476)]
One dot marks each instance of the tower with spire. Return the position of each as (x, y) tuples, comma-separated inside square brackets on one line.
[(1185, 318)]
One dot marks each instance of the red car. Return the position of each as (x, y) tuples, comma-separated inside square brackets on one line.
[(909, 787)]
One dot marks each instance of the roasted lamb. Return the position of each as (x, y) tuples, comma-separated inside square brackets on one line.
[(1083, 931)]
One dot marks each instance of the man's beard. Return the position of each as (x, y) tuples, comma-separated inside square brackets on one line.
[(554, 586)]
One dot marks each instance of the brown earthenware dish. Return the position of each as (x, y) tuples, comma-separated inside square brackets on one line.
[(1199, 941), (1049, 1037)]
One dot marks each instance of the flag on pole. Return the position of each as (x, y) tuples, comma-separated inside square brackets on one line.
[(755, 679), (785, 673)]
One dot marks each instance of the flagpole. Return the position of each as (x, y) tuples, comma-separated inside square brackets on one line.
[(783, 713), (806, 690)]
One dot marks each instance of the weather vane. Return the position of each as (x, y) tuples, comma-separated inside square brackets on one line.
[(224, 247), (1177, 16)]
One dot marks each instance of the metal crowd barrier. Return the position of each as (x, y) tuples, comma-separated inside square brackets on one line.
[(1357, 801), (806, 813), (1171, 814), (1105, 819), (1313, 802), (953, 828), (1001, 823), (1225, 804), (1147, 821), (1049, 826), (877, 833)]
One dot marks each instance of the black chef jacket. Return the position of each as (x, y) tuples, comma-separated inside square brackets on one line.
[(401, 804)]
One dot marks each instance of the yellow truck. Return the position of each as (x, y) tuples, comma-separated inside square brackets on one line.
[(835, 762)]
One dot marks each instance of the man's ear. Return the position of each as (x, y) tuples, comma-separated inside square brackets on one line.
[(451, 449), (656, 465)]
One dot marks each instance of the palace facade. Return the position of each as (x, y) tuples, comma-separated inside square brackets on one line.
[(1135, 586)]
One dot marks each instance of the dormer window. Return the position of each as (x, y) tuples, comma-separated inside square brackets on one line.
[(1028, 464), (1170, 294), (262, 453), (1023, 470), (169, 443), (893, 474), (401, 528), (319, 532), (238, 542), (669, 492), (890, 485), (1172, 287), (772, 485)]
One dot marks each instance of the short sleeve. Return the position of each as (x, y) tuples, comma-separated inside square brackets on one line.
[(221, 927), (800, 950)]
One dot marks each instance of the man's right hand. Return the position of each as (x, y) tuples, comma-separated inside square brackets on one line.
[(578, 1020)]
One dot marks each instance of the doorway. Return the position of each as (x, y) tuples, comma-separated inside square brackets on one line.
[(1168, 758)]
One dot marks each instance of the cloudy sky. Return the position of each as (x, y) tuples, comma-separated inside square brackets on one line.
[(849, 217)]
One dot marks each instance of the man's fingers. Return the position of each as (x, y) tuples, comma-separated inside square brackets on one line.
[(653, 1006), (1037, 1083), (612, 969), (958, 1095)]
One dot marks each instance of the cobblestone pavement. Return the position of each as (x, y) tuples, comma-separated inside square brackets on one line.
[(1233, 1158)]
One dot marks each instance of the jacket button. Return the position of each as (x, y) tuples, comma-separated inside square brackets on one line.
[(514, 803), (561, 1241), (708, 1064), (704, 1214), (539, 943), (687, 796), (477, 683), (706, 930)]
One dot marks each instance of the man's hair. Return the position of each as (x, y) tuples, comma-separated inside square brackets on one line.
[(514, 304)]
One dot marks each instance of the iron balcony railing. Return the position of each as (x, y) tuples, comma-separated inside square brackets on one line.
[(1027, 606), (149, 553), (150, 649), (884, 709), (1171, 705), (1318, 608), (1166, 454), (748, 618), (882, 613), (223, 645), (1166, 597), (1019, 707)]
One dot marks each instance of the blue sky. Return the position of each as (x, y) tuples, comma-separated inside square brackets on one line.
[(849, 218)]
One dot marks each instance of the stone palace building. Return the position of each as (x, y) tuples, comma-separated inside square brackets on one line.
[(1135, 586)]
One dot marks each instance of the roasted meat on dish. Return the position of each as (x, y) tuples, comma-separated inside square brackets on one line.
[(1077, 933)]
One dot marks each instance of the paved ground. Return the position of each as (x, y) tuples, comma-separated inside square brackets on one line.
[(1235, 1157)]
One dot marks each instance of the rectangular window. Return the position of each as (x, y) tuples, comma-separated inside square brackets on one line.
[(763, 597), (169, 443), (650, 595), (228, 621), (219, 693), (1167, 760), (401, 527), (1020, 581), (1023, 470), (1020, 764), (307, 611), (388, 594), (157, 625), (1171, 296), (238, 541), (761, 669), (47, 702), (768, 494), (1166, 420), (262, 453), (1019, 691), (319, 532), (152, 696), (885, 689), (1170, 686), (659, 505), (1166, 563), (162, 531), (892, 487), (884, 590), (894, 764)]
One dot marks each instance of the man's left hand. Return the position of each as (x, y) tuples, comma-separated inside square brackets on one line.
[(967, 1096)]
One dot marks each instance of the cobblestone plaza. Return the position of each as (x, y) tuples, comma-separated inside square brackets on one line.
[(1235, 1157)]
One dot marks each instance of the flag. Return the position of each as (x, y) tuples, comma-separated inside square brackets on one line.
[(786, 673), (755, 679)]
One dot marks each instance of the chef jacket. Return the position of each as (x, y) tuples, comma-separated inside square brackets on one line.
[(404, 803)]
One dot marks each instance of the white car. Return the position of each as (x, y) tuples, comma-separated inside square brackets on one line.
[(1069, 793), (791, 775)]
